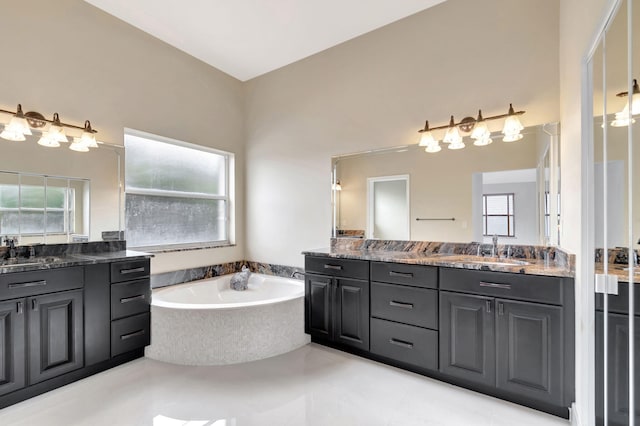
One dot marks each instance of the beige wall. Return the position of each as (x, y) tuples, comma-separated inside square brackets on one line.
[(376, 91), (441, 184), (68, 57)]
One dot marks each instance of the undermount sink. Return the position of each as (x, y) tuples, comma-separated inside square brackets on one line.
[(501, 262)]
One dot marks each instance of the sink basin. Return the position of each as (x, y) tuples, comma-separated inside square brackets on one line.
[(503, 262)]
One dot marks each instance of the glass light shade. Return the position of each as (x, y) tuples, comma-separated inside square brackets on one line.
[(512, 125), (78, 146), (483, 141), (480, 131), (433, 148), (47, 141), (57, 133), (452, 136), (457, 144), (88, 139), (336, 186), (427, 139), (623, 117), (12, 136), (18, 125), (512, 138)]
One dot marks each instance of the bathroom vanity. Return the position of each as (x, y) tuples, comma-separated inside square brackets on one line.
[(503, 327), (63, 318)]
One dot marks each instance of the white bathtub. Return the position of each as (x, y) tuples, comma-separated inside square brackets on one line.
[(206, 323)]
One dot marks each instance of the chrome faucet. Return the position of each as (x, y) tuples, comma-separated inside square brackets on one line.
[(494, 247), (11, 244)]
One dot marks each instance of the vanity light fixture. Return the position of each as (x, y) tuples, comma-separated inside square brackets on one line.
[(624, 117), (336, 186), (21, 125), (476, 126)]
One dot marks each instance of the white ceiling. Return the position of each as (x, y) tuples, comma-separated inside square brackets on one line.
[(247, 38)]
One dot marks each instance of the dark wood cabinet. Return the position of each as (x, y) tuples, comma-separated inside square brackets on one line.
[(337, 307), (515, 346), (12, 346), (55, 330), (338, 310), (467, 337), (319, 305), (529, 350), (618, 372), (351, 313), (63, 324)]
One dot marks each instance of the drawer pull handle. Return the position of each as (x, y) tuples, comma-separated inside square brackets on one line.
[(401, 305), (402, 343), (334, 267), (28, 284), (488, 303), (495, 285), (20, 308), (400, 274), (132, 298), (131, 271), (131, 335)]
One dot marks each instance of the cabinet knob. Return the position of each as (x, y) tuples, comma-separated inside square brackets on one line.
[(34, 305), (488, 303), (20, 308)]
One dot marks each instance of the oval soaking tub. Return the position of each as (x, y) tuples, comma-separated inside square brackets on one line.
[(206, 323)]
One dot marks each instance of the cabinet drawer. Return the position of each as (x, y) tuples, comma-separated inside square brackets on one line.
[(130, 298), (533, 288), (620, 303), (405, 343), (129, 270), (21, 284), (130, 333), (410, 305), (347, 268), (398, 273)]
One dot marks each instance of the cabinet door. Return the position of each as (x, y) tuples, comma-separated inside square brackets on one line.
[(467, 337), (318, 305), (55, 334), (529, 351), (618, 379), (12, 346), (352, 313)]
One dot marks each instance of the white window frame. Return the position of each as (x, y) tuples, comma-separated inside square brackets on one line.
[(229, 164), (511, 230)]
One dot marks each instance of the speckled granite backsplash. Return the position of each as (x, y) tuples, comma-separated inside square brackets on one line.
[(69, 249), (560, 257), (193, 274)]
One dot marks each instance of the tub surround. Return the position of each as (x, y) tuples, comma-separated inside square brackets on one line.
[(207, 323), (204, 272), (529, 260)]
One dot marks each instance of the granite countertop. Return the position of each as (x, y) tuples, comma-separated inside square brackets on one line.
[(620, 270), (463, 261), (39, 263)]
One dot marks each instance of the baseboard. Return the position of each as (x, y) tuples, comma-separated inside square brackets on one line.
[(574, 417)]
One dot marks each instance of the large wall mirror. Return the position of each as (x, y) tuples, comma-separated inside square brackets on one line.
[(404, 193), (55, 195), (614, 69)]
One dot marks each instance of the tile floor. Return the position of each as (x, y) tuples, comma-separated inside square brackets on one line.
[(313, 385)]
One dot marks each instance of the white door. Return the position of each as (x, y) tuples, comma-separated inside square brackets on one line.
[(388, 208)]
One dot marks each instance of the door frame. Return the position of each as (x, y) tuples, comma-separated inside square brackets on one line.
[(370, 201)]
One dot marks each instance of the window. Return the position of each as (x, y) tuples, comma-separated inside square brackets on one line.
[(176, 193), (497, 215)]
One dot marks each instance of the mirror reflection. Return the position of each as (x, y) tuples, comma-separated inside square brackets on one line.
[(55, 195), (504, 189)]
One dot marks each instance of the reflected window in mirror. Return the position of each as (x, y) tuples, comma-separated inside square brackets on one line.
[(40, 208), (498, 215), (176, 193)]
